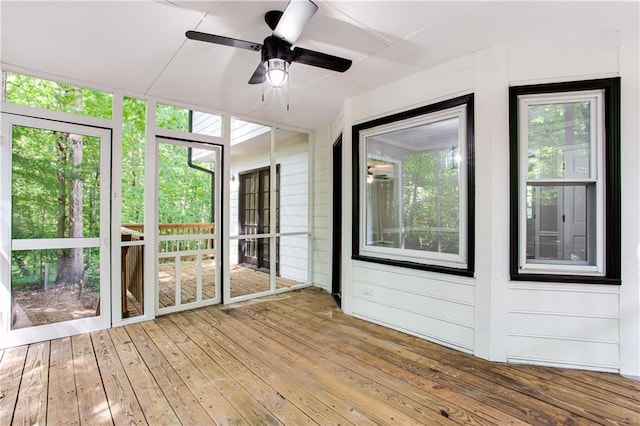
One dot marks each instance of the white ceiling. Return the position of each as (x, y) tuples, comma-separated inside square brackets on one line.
[(139, 47)]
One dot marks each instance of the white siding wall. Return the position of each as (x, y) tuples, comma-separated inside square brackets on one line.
[(586, 326), (321, 208), (422, 304), (294, 208), (573, 326)]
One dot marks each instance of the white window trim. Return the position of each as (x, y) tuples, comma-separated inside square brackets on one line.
[(597, 167), (460, 260)]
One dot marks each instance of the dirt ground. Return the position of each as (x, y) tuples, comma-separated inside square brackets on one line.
[(56, 304)]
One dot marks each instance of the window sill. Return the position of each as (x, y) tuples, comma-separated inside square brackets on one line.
[(466, 272), (563, 278)]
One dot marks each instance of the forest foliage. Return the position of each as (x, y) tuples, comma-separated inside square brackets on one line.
[(56, 178)]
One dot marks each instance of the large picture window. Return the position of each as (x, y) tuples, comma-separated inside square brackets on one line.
[(565, 181), (413, 183)]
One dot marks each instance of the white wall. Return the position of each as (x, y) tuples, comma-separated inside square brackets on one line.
[(293, 157), (573, 325), (321, 208)]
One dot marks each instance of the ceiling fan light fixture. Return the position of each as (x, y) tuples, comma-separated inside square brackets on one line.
[(277, 72)]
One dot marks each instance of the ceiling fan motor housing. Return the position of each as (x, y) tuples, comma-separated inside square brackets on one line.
[(275, 48)]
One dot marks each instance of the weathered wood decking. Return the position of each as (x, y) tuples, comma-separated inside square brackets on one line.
[(291, 359), (243, 281)]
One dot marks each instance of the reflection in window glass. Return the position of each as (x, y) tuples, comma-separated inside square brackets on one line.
[(51, 95), (413, 197), (559, 140), (561, 226)]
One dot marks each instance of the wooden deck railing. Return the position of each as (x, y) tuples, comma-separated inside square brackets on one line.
[(132, 269), (133, 256), (180, 231)]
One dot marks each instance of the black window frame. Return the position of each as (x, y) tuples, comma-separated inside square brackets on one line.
[(611, 180), (466, 100)]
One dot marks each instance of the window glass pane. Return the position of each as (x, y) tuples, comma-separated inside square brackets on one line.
[(559, 140), (45, 94), (55, 184), (412, 196), (560, 224), (383, 204)]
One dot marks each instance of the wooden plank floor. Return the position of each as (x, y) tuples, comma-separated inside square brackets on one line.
[(290, 359)]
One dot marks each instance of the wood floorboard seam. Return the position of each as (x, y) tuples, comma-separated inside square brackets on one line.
[(166, 412), (204, 346), (18, 389), (395, 414), (284, 368), (129, 379), (196, 413), (75, 380), (381, 384), (109, 366), (104, 389), (253, 415), (372, 335), (201, 313), (442, 403), (198, 383), (290, 359)]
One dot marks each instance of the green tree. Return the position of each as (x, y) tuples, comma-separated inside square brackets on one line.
[(56, 180), (53, 167)]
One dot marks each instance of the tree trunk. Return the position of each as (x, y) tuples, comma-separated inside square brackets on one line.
[(70, 262), (62, 204), (75, 209)]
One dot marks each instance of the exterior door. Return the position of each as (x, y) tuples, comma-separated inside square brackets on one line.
[(254, 217), (336, 256), (188, 261), (55, 187)]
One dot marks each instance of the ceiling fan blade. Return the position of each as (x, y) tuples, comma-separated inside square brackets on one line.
[(322, 60), (294, 18), (259, 75), (226, 41)]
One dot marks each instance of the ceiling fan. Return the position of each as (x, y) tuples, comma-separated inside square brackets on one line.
[(276, 49)]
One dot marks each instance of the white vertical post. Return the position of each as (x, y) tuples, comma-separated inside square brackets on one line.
[(150, 214), (272, 210), (492, 203), (310, 206), (223, 234), (630, 134), (116, 208)]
